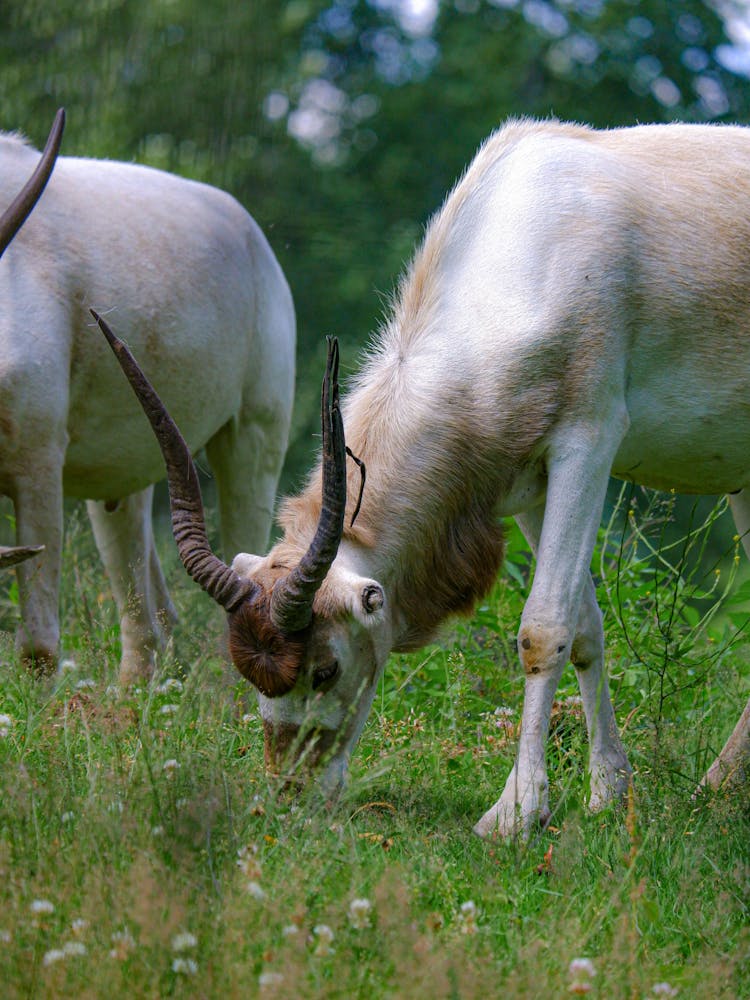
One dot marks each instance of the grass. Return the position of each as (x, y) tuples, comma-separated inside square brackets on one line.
[(144, 853)]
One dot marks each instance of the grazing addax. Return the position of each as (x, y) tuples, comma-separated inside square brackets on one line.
[(580, 305), (188, 273)]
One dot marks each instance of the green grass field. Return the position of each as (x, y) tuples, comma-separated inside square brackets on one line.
[(144, 853)]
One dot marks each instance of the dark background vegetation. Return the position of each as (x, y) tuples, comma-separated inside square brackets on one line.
[(342, 125)]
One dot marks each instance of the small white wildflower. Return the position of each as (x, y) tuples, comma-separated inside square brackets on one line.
[(503, 712), (169, 767), (266, 979), (52, 956), (324, 936), (85, 684), (41, 907), (170, 684), (185, 966), (255, 889), (184, 941), (359, 913), (664, 990), (169, 709), (573, 700), (79, 925), (467, 917), (67, 817), (123, 943), (6, 724), (157, 831), (247, 719), (582, 967), (582, 972), (290, 930), (74, 948), (248, 862), (68, 666)]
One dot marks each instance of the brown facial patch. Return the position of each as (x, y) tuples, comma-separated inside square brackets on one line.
[(268, 658)]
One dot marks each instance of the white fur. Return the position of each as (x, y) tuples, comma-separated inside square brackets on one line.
[(187, 277), (579, 306)]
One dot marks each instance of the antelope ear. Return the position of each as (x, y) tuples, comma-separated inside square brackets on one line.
[(244, 564), (360, 596)]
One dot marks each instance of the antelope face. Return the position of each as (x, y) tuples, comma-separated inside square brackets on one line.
[(314, 709)]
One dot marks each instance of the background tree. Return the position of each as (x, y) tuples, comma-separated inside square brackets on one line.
[(341, 126)]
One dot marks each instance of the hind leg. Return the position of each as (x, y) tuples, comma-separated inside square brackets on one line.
[(124, 537), (733, 763), (246, 456)]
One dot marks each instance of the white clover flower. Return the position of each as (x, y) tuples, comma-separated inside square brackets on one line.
[(79, 925), (582, 971), (248, 863), (664, 990), (68, 666), (572, 701), (255, 889), (185, 966), (324, 936), (582, 967), (256, 806), (85, 684), (266, 979), (170, 767), (52, 956), (184, 941), (467, 917), (170, 684), (359, 913), (290, 930), (123, 943), (170, 709), (74, 948), (41, 907)]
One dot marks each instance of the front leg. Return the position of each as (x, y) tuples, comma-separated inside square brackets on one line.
[(38, 506), (578, 470)]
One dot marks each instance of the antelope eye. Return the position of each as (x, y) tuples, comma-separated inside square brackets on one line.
[(324, 675)]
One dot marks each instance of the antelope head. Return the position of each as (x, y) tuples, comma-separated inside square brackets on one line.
[(311, 636), (11, 221)]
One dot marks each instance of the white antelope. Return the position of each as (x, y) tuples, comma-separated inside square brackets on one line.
[(190, 275), (580, 305)]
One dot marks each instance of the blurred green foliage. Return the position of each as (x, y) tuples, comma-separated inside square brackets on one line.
[(341, 124)]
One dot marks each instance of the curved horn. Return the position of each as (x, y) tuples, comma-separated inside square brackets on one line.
[(292, 596), (188, 522), (20, 208), (9, 556)]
